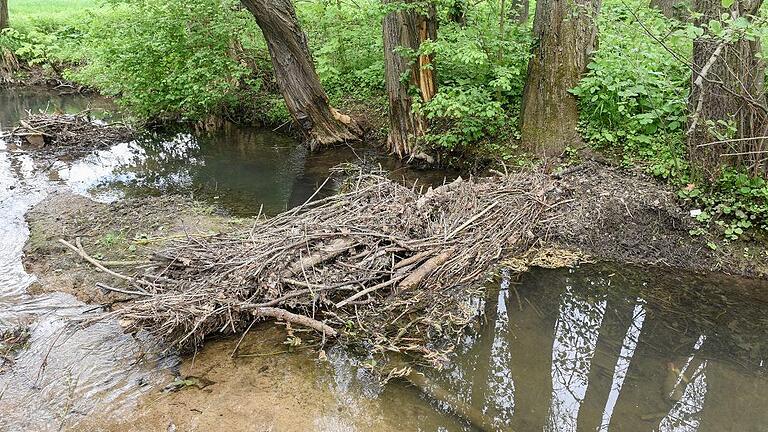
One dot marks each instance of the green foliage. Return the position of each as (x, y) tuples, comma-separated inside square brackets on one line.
[(463, 115), (633, 103), (481, 70), (346, 40), (633, 100), (167, 58)]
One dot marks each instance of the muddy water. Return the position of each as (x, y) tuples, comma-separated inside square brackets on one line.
[(594, 349)]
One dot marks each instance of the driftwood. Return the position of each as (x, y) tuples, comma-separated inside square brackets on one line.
[(69, 130), (378, 264)]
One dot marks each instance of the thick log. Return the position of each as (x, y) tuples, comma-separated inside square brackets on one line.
[(424, 270)]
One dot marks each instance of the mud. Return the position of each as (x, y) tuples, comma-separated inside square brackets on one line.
[(124, 231), (620, 215)]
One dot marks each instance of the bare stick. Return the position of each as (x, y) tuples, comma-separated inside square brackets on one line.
[(369, 290), (88, 258), (293, 318)]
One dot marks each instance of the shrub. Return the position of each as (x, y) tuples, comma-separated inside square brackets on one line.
[(167, 59)]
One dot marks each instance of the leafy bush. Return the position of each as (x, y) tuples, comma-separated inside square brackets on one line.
[(167, 58), (481, 72), (633, 103), (346, 41), (633, 99)]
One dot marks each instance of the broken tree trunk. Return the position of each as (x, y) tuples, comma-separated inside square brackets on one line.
[(727, 124), (295, 74), (405, 28), (565, 32)]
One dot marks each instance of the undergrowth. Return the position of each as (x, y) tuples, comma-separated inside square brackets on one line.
[(633, 103)]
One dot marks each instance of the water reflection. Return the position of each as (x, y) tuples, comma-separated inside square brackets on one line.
[(617, 349)]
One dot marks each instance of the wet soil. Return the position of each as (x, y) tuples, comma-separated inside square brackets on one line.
[(622, 215), (125, 231), (267, 388)]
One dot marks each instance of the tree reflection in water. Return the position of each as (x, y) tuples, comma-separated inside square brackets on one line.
[(619, 349)]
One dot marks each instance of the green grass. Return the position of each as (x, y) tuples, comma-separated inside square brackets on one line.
[(47, 15), (27, 9)]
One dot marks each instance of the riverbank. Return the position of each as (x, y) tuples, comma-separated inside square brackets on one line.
[(600, 217)]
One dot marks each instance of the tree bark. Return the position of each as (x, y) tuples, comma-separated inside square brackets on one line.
[(3, 14), (565, 34), (520, 10), (670, 8), (406, 28), (727, 89), (458, 12), (295, 74)]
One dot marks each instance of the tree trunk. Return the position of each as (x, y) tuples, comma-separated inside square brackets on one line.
[(458, 12), (3, 14), (519, 10), (666, 7), (565, 34), (407, 28), (295, 74), (727, 103)]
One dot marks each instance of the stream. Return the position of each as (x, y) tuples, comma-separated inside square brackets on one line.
[(596, 348)]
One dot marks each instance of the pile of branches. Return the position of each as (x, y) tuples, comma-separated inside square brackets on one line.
[(379, 264), (70, 130)]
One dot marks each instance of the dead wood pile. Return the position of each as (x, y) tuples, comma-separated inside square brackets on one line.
[(379, 264), (70, 130)]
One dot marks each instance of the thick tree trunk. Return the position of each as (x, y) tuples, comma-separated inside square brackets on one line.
[(565, 34), (727, 103), (295, 74), (3, 14), (407, 28)]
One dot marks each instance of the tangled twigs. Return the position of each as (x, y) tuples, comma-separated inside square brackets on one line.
[(69, 130), (379, 265)]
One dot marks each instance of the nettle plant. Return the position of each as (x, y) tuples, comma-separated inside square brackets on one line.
[(481, 71), (633, 99)]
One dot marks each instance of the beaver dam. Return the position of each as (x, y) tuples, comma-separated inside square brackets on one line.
[(378, 263)]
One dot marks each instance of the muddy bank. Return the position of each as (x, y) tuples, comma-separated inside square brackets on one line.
[(624, 216), (122, 233)]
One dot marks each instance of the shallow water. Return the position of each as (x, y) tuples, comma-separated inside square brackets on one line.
[(598, 348)]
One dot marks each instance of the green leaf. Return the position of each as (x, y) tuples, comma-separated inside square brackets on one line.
[(726, 3)]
